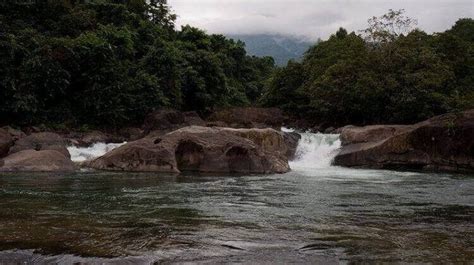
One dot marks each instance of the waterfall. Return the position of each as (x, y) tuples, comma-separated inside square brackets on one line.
[(81, 154), (316, 151)]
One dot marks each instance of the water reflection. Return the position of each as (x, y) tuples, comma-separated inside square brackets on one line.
[(327, 216)]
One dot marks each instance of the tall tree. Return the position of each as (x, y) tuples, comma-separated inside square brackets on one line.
[(388, 27)]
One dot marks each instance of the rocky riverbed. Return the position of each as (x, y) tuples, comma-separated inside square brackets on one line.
[(228, 142)]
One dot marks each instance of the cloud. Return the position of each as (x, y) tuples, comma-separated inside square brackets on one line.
[(311, 18)]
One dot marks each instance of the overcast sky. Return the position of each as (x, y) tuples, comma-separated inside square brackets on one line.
[(312, 18)]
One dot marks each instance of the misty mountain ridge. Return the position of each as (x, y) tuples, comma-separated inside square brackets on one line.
[(281, 47)]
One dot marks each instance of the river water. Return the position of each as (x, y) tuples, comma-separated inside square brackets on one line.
[(316, 214)]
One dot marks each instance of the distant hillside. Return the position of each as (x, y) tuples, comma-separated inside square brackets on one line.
[(281, 48)]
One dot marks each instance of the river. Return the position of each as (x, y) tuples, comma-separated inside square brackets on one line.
[(315, 214)]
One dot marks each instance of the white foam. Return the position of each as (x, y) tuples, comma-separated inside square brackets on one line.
[(81, 154), (316, 151), (288, 130)]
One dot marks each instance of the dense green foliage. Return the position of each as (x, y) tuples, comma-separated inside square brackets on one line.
[(384, 76), (111, 62)]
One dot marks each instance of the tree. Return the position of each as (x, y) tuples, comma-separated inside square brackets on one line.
[(282, 88), (391, 76), (160, 13), (109, 63), (388, 27)]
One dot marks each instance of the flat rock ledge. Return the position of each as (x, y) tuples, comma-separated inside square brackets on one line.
[(442, 143), (202, 149)]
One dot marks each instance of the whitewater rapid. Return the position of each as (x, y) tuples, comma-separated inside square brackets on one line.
[(315, 151), (81, 154)]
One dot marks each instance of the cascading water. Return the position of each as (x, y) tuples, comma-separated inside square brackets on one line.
[(316, 151), (81, 154)]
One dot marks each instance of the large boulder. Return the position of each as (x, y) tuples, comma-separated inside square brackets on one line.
[(284, 143), (36, 161), (268, 139), (442, 143), (6, 141), (201, 149), (40, 142), (374, 133), (250, 117)]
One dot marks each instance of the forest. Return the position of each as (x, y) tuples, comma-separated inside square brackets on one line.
[(390, 72), (109, 63)]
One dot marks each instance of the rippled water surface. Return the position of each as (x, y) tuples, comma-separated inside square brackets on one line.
[(325, 216)]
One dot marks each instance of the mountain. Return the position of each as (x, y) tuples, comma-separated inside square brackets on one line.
[(282, 48)]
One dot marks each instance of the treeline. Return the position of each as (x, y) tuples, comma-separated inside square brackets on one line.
[(109, 63), (389, 73)]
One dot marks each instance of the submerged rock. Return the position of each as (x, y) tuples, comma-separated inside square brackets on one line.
[(40, 142), (201, 149), (443, 143), (36, 161)]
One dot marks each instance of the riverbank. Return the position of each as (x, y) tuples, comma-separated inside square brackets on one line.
[(173, 141), (315, 214)]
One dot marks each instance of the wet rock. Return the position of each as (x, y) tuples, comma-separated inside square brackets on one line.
[(270, 140), (443, 143), (250, 117), (292, 140), (40, 142), (6, 141), (201, 149), (37, 161)]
